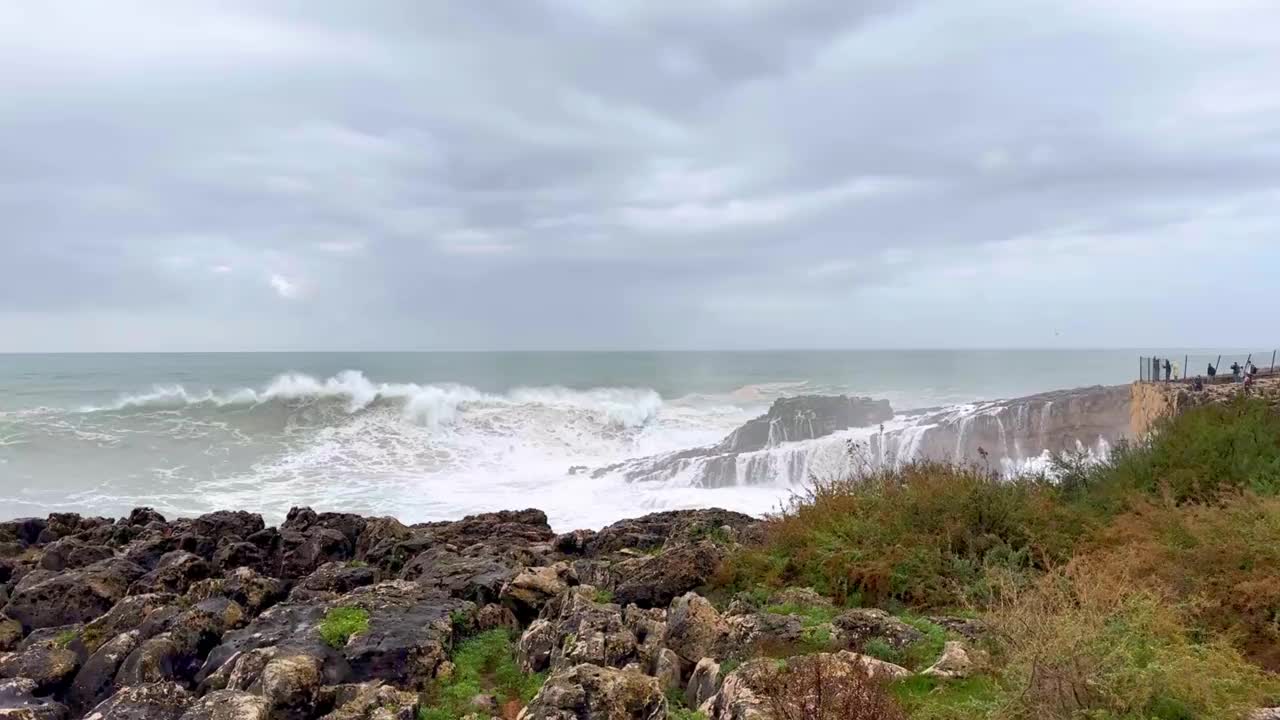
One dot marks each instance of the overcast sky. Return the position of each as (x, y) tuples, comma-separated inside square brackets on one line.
[(541, 174)]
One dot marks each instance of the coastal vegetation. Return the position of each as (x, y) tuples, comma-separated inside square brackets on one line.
[(1145, 587)]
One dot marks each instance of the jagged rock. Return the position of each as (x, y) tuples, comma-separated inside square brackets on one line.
[(72, 597), (536, 644), (143, 516), (153, 701), (252, 590), (954, 664), (478, 578), (10, 633), (18, 701), (512, 527), (741, 693), (587, 631), (654, 530), (23, 531), (96, 680), (695, 629), (291, 683), (229, 705), (528, 591), (331, 580), (227, 523), (233, 555), (179, 651), (855, 627), (656, 581), (492, 617), (306, 551), (130, 613), (650, 628), (762, 628), (71, 553), (49, 664), (373, 701), (599, 693), (666, 668), (575, 542), (174, 573), (380, 532), (704, 683)]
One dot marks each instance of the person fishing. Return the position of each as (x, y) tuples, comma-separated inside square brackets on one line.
[(1212, 372), (1235, 372), (1168, 370)]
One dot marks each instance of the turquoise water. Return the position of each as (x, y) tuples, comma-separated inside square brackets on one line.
[(436, 435)]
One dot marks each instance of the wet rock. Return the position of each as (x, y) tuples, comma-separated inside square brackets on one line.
[(528, 591), (656, 581), (704, 682), (954, 664), (49, 664), (380, 535), (23, 531), (227, 524), (695, 630), (233, 555), (130, 613), (72, 597), (154, 701), (349, 524), (652, 531), (478, 578), (250, 589), (18, 701), (512, 527), (174, 573), (229, 705), (306, 551), (373, 701), (855, 627), (10, 633), (287, 625), (410, 632), (589, 691), (143, 516), (331, 580), (96, 680), (575, 542), (70, 553), (179, 651)]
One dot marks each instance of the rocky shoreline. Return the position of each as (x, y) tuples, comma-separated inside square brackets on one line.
[(345, 617)]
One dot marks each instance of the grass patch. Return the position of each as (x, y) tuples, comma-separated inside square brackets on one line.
[(65, 638), (930, 698), (483, 664), (604, 597), (341, 623), (678, 709), (925, 651)]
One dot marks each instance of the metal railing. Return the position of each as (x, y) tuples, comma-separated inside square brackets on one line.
[(1208, 368)]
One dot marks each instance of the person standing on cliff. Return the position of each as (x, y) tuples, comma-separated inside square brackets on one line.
[(1235, 372), (1168, 370)]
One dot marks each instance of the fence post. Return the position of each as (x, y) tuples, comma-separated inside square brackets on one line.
[(1273, 361)]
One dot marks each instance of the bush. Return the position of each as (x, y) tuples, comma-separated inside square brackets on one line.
[(484, 664), (1197, 455), (1221, 560), (922, 535), (1091, 641), (341, 623), (811, 689)]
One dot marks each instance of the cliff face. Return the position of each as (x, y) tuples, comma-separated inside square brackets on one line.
[(1027, 427)]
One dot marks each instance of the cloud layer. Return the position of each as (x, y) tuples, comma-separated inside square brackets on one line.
[(553, 174)]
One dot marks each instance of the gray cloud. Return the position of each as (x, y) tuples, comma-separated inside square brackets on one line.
[(617, 174)]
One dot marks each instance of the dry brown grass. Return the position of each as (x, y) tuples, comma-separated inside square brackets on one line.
[(806, 688)]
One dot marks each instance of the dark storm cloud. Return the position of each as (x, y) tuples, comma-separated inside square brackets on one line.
[(757, 173)]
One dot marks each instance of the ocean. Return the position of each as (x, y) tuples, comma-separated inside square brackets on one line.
[(432, 436)]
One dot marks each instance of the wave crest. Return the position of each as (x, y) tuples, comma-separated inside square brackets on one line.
[(432, 404)]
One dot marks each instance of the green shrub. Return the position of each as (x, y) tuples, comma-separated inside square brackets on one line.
[(925, 651), (922, 536), (1196, 455), (604, 597), (1089, 641), (483, 664), (880, 649), (65, 638), (341, 623)]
